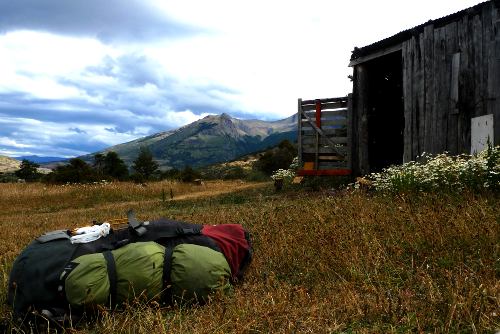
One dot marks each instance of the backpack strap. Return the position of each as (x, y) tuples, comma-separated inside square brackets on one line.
[(167, 269), (111, 266)]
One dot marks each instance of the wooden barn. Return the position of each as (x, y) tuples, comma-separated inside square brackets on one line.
[(432, 88)]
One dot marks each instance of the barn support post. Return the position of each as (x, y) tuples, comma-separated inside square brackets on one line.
[(360, 120)]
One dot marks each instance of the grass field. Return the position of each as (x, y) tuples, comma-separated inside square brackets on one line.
[(324, 262)]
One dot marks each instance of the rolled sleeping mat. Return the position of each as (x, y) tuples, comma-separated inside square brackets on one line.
[(198, 272), (118, 276)]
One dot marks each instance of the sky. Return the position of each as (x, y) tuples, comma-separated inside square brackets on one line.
[(82, 75)]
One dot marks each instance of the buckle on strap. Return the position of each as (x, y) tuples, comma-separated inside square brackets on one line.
[(137, 226)]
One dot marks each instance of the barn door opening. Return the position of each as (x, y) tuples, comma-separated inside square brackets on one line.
[(385, 111)]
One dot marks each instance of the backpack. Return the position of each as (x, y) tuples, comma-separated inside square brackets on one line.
[(167, 260)]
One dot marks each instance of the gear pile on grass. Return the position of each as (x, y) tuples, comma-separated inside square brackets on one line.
[(58, 276)]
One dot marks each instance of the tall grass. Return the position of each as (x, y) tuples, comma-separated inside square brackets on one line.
[(348, 262)]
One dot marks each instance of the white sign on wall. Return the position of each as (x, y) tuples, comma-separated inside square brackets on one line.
[(481, 132)]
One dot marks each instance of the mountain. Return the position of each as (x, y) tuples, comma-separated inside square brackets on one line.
[(212, 139), (41, 160)]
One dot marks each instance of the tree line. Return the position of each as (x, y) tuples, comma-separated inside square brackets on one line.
[(109, 167)]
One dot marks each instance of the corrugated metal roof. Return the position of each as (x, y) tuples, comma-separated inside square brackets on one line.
[(407, 34)]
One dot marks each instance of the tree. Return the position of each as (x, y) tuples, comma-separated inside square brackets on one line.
[(98, 164), (188, 174), (114, 166), (144, 165), (77, 171), (28, 171)]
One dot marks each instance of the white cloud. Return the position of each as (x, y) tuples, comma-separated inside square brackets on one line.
[(253, 59), (10, 142)]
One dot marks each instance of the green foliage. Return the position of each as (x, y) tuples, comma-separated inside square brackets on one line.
[(278, 158), (442, 173), (188, 174), (171, 174), (98, 163), (114, 167), (77, 171), (144, 165), (28, 171), (8, 178)]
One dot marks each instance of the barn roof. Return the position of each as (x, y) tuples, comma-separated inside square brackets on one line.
[(407, 34)]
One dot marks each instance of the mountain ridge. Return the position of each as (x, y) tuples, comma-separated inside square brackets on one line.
[(209, 140)]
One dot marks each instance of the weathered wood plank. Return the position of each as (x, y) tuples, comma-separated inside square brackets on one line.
[(308, 149), (407, 102), (332, 165), (441, 90), (334, 99), (453, 59), (337, 123), (331, 158), (349, 131), (325, 106), (417, 93), (328, 132), (464, 90), (328, 113), (421, 87), (361, 85), (495, 84), (312, 140), (429, 89), (325, 124), (477, 38)]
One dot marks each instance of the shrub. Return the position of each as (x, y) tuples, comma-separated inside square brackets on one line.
[(278, 158)]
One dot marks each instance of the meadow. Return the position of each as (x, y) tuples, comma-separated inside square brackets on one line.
[(324, 261)]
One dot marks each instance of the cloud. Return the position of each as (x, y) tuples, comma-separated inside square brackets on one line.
[(109, 20)]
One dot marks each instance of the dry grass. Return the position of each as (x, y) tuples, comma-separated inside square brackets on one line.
[(323, 263)]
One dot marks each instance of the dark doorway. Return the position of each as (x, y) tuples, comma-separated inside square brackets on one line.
[(386, 111)]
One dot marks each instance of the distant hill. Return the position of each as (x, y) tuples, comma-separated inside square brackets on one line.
[(41, 160), (8, 165), (210, 140)]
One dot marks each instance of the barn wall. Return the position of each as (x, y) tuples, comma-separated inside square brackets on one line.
[(451, 74)]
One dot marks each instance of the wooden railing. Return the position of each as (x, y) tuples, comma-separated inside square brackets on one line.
[(324, 136)]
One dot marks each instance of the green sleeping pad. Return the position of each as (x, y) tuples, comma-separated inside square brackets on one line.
[(197, 272)]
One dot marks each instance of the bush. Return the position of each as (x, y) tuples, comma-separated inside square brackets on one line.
[(278, 158)]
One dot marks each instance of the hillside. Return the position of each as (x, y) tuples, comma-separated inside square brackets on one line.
[(8, 165), (212, 139)]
